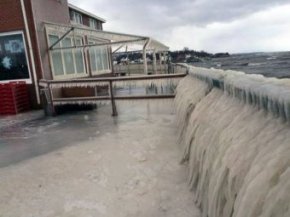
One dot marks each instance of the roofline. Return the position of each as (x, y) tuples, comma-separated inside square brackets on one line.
[(71, 6)]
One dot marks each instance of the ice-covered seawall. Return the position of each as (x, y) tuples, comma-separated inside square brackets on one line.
[(234, 130)]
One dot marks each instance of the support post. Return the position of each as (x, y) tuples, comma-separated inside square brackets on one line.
[(154, 62), (160, 62), (114, 109), (144, 57), (88, 58), (164, 60), (145, 61), (111, 61)]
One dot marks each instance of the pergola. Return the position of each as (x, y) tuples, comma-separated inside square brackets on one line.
[(114, 40)]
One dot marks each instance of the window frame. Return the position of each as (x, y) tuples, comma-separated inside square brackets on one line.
[(103, 71), (66, 75), (75, 16), (94, 22), (26, 80)]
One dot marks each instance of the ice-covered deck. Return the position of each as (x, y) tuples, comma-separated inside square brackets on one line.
[(89, 164)]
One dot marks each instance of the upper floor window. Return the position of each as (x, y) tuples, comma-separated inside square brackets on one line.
[(100, 27), (76, 17), (93, 23)]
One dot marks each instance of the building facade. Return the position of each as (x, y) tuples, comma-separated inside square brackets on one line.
[(24, 43)]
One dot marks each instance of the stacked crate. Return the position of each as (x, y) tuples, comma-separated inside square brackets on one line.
[(14, 98)]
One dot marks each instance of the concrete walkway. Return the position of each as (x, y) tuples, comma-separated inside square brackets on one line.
[(99, 166)]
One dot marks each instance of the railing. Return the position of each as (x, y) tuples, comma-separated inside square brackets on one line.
[(52, 101), (138, 69)]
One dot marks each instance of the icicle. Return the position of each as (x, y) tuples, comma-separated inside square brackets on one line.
[(78, 84), (82, 102)]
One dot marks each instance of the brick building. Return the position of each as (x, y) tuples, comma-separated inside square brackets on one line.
[(23, 36)]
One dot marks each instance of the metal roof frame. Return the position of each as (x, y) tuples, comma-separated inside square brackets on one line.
[(110, 38)]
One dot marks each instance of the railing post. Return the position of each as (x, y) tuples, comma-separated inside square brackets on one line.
[(114, 109)]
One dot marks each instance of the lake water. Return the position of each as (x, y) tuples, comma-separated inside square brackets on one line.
[(276, 64)]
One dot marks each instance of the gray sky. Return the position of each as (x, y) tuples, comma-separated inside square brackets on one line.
[(210, 25)]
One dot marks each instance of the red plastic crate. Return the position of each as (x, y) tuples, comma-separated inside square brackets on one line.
[(14, 98)]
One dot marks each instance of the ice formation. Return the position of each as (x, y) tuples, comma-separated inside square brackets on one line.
[(117, 83), (234, 130)]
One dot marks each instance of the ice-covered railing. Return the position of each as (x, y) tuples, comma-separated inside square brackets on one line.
[(237, 154), (110, 83), (270, 94)]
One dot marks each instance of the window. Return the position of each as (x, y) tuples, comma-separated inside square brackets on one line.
[(99, 59), (93, 23), (13, 58), (80, 67), (67, 62), (76, 17), (105, 58), (68, 56), (100, 27), (56, 57)]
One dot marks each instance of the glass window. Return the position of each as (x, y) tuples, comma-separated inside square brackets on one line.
[(99, 26), (13, 59), (99, 60), (56, 56), (67, 61), (68, 57), (93, 58), (105, 58), (93, 23), (76, 17), (80, 66)]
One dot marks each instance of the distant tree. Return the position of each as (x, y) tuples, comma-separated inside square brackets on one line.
[(185, 49)]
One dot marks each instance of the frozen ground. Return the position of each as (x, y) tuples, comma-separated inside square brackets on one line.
[(90, 164)]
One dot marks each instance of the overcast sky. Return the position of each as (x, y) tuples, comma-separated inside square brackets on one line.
[(211, 25)]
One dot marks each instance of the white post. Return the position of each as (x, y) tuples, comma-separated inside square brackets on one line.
[(164, 59), (144, 57), (154, 62), (30, 49), (160, 62)]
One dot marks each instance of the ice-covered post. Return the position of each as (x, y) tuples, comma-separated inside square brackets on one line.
[(114, 109), (50, 110)]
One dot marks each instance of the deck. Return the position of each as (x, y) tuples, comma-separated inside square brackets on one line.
[(91, 164)]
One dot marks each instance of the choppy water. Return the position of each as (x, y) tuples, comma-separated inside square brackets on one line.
[(269, 64)]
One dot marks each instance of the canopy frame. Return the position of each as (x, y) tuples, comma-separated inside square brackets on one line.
[(108, 38)]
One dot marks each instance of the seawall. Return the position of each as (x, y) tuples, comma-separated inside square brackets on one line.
[(234, 133)]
